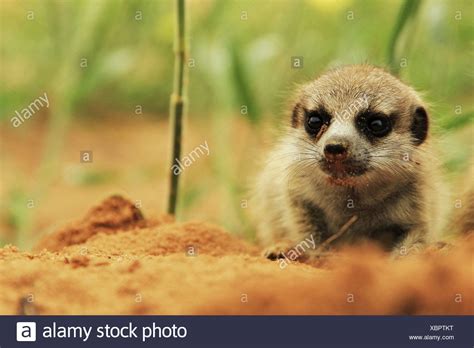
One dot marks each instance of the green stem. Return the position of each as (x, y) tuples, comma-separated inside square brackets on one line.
[(177, 104), (408, 11)]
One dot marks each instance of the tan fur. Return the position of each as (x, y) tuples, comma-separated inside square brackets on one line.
[(294, 197)]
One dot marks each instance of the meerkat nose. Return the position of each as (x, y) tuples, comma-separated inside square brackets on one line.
[(336, 151)]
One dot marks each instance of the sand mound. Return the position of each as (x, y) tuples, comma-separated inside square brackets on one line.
[(112, 215), (116, 262)]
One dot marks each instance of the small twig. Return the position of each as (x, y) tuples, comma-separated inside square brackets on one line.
[(321, 132), (335, 236)]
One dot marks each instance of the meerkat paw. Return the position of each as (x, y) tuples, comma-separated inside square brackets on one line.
[(278, 250)]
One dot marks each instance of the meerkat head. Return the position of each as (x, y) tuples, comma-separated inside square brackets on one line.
[(359, 122)]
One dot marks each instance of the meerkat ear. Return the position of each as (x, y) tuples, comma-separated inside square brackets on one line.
[(295, 115), (419, 125)]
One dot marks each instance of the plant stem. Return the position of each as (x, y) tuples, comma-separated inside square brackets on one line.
[(177, 103), (408, 11)]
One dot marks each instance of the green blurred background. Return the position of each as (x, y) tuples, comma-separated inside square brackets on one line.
[(100, 60)]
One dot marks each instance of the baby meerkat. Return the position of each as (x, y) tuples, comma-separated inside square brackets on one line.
[(358, 145)]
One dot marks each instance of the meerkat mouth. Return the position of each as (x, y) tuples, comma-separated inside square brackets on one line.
[(343, 172)]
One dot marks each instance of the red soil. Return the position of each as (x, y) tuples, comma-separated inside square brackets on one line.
[(114, 261)]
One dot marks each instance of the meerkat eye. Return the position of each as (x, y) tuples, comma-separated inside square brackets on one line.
[(314, 121), (379, 125)]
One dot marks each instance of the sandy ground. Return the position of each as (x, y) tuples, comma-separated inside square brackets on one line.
[(115, 261)]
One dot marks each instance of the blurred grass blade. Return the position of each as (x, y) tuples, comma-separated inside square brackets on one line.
[(457, 121), (407, 12), (62, 89), (177, 103), (241, 84)]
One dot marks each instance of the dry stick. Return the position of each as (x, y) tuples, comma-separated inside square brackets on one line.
[(177, 104), (321, 132), (341, 231)]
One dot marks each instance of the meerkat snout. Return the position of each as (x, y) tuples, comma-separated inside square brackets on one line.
[(342, 155), (336, 149)]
